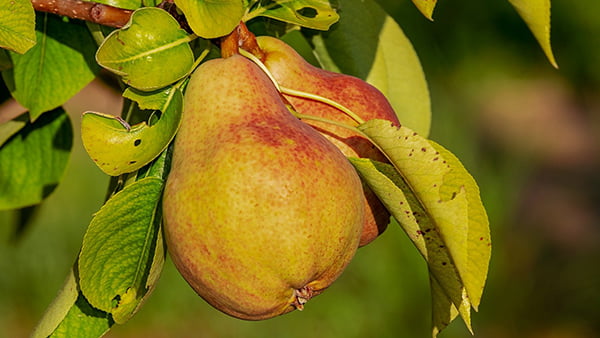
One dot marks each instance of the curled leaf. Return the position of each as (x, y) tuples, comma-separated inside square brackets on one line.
[(140, 51), (118, 148)]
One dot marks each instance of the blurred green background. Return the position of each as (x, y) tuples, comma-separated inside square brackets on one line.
[(528, 133)]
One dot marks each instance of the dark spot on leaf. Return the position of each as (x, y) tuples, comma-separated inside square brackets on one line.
[(137, 142), (308, 12), (436, 158), (423, 149), (132, 162), (444, 263)]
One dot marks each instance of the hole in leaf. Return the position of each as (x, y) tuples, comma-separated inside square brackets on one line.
[(154, 117), (115, 301), (137, 142), (308, 12)]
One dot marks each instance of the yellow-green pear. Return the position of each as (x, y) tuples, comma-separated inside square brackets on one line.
[(290, 70), (261, 211)]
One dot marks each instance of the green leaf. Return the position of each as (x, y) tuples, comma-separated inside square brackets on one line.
[(9, 128), (536, 14), (315, 14), (70, 315), (83, 320), (151, 42), (55, 69), (117, 148), (57, 311), (212, 18), (71, 312), (437, 203), (119, 249), (17, 26), (426, 7), (33, 160), (369, 44)]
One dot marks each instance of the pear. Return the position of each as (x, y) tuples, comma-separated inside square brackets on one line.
[(290, 70), (261, 212)]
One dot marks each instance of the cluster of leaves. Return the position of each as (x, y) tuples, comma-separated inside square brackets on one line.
[(47, 59)]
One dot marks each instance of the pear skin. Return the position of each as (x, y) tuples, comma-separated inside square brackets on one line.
[(290, 70), (261, 212)]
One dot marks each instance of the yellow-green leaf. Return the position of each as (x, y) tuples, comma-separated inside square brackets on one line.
[(17, 25), (479, 245), (536, 14), (314, 14), (396, 71), (212, 18), (443, 312), (117, 148), (426, 7), (437, 203), (422, 227)]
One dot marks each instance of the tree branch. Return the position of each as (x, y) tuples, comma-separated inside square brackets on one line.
[(89, 11)]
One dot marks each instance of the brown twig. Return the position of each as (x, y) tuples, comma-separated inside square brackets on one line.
[(89, 11)]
